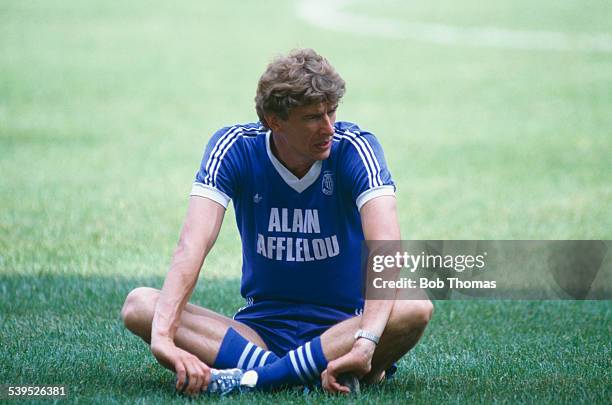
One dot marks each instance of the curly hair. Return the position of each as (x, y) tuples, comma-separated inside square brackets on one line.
[(302, 77)]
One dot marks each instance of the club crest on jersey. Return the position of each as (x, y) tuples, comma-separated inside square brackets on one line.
[(327, 183)]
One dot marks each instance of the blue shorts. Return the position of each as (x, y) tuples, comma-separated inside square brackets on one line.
[(283, 326)]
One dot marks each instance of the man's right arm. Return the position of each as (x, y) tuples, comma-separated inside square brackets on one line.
[(200, 229)]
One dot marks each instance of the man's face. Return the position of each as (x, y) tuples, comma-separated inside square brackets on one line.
[(306, 135)]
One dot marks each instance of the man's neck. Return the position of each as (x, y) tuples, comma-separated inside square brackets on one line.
[(296, 166)]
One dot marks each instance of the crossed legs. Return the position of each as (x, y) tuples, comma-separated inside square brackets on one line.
[(201, 331), (407, 322)]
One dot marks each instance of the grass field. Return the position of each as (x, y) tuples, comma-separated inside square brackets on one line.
[(105, 109)]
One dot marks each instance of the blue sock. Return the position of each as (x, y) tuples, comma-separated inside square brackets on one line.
[(300, 366), (237, 352)]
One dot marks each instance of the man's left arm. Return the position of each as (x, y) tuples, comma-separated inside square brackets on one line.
[(380, 223)]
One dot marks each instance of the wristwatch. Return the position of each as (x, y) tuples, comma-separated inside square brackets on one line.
[(367, 335)]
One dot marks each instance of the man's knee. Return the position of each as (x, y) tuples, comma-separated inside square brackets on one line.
[(411, 315), (138, 309)]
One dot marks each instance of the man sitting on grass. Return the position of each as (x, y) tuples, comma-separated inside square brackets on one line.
[(307, 190)]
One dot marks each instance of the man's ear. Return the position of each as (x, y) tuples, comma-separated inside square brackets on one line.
[(273, 122)]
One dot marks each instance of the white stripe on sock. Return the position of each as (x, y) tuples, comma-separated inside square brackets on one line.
[(254, 358), (244, 354), (310, 359), (295, 366), (303, 362), (262, 362)]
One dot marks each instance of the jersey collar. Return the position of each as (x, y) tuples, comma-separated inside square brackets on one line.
[(292, 181)]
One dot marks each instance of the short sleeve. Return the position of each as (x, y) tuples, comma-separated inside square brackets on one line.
[(217, 178), (364, 167)]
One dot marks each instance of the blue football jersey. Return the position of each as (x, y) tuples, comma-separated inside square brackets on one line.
[(301, 237)]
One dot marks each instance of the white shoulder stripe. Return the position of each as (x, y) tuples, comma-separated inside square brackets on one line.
[(366, 160), (363, 159), (365, 141), (216, 171), (215, 151), (371, 156), (221, 147)]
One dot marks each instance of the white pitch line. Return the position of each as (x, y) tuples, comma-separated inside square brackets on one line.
[(330, 14)]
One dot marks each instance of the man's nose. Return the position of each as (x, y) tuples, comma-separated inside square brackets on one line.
[(328, 126)]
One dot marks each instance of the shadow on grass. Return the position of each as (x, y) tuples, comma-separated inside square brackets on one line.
[(66, 329)]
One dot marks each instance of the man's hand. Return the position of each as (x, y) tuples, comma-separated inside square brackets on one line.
[(358, 361), (200, 230), (187, 367)]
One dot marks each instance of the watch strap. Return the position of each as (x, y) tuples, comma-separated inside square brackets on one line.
[(367, 335)]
